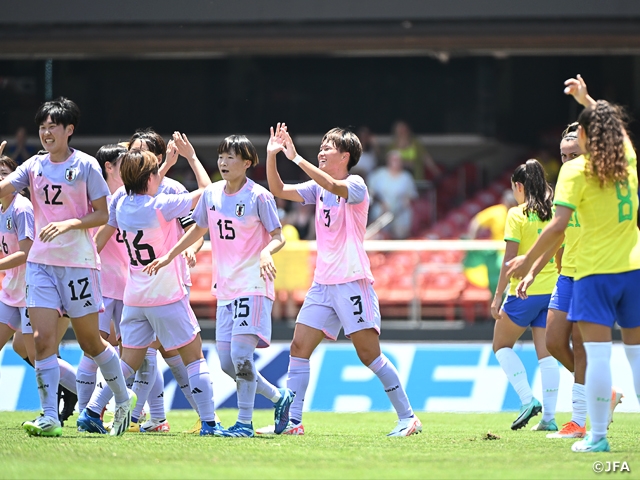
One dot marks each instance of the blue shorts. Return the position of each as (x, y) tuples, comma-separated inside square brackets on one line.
[(530, 312), (562, 293), (607, 298)]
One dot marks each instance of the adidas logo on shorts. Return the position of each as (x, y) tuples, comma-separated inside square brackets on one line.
[(360, 320), (243, 324), (88, 304)]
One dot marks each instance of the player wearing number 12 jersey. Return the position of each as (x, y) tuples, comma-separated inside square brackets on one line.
[(342, 294)]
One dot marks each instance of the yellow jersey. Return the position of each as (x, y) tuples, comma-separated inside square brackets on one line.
[(494, 218), (524, 230), (610, 239), (571, 241)]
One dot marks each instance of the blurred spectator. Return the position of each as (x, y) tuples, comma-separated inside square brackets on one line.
[(392, 189), (482, 267), (414, 156), (369, 159), (292, 273), (20, 151)]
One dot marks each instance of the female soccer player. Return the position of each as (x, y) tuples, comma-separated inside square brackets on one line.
[(155, 306), (602, 186), (113, 276), (69, 196), (524, 222), (245, 232), (342, 294)]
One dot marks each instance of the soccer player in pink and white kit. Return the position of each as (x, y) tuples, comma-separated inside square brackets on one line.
[(342, 294), (159, 305), (69, 198), (245, 231)]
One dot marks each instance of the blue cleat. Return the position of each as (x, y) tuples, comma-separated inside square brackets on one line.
[(542, 426), (90, 424), (281, 414), (206, 430), (237, 430), (588, 445), (527, 412)]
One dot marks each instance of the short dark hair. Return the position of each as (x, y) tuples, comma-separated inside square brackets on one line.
[(109, 153), (62, 112), (239, 145), (571, 132), (345, 141), (154, 141), (135, 169)]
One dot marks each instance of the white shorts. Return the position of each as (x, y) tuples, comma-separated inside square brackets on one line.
[(352, 306), (250, 315), (174, 324), (112, 312), (14, 317), (70, 290)]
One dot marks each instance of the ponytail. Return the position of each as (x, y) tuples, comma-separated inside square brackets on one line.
[(538, 193)]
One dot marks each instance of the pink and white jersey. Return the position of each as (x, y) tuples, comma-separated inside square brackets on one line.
[(16, 224), (239, 226), (115, 264), (149, 230), (61, 191), (340, 228)]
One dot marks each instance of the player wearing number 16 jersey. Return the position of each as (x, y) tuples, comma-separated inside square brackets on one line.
[(342, 294)]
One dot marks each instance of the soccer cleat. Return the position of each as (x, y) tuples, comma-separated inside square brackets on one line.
[(43, 426), (281, 414), (236, 430), (406, 427), (198, 425), (527, 412), (68, 399), (153, 425), (90, 424), (542, 426), (587, 445), (122, 416), (207, 430), (569, 430), (290, 429), (616, 399)]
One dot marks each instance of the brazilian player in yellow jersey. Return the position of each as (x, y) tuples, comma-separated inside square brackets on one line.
[(602, 186), (524, 223)]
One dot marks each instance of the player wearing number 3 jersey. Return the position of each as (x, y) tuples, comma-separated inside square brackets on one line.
[(342, 294)]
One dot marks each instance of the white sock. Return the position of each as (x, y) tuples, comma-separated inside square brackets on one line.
[(550, 375), (516, 373), (298, 381), (156, 398), (201, 389), (101, 396), (47, 379), (579, 399), (67, 376), (242, 348), (112, 372), (85, 381), (144, 380), (388, 375), (633, 355), (182, 377), (598, 386)]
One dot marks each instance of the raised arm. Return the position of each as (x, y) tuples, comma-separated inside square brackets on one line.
[(326, 181), (187, 151), (276, 185), (577, 87)]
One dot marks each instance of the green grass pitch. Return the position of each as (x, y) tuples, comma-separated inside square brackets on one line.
[(335, 446)]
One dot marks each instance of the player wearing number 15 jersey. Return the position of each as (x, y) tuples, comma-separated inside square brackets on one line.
[(245, 231), (342, 294)]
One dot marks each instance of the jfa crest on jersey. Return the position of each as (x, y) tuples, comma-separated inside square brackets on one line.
[(70, 174), (9, 224), (239, 226)]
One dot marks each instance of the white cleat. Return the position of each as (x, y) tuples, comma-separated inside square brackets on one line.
[(406, 427), (290, 429), (122, 416)]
